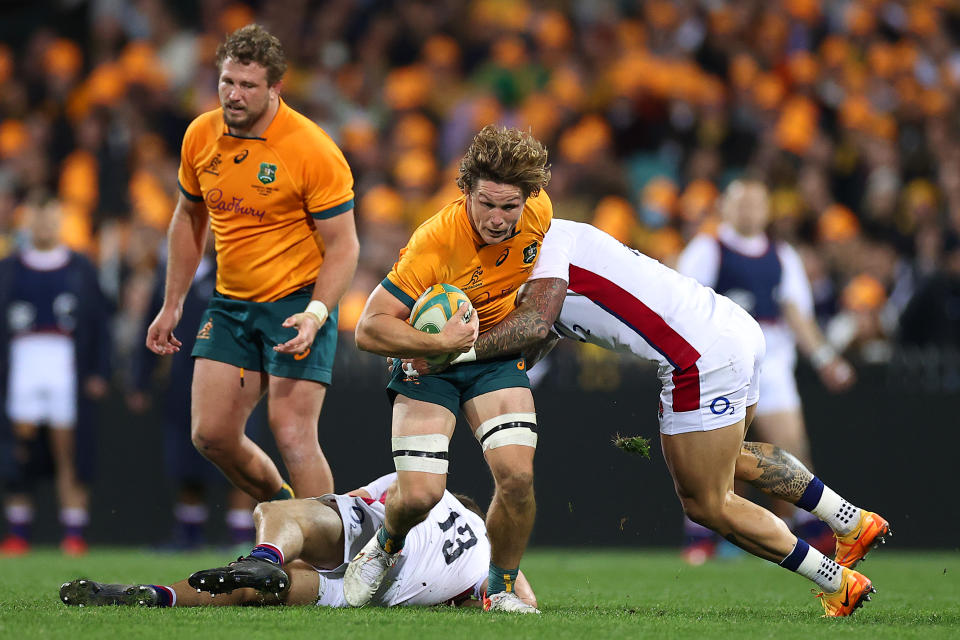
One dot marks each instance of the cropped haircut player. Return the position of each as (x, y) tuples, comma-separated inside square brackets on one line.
[(505, 156), (253, 43)]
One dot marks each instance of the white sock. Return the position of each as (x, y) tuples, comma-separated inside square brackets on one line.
[(240, 518), (190, 513), (74, 517), (840, 515), (810, 563)]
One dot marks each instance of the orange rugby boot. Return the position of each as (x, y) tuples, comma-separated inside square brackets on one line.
[(870, 532), (855, 589)]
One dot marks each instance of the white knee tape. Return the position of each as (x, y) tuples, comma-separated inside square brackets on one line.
[(421, 453), (510, 428)]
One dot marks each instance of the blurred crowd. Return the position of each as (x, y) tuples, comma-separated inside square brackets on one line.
[(846, 109)]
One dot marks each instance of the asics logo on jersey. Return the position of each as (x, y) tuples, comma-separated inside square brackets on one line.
[(302, 355), (240, 157), (216, 201), (503, 256)]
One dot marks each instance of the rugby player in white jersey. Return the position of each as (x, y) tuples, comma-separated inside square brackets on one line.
[(589, 287), (303, 547), (767, 279)]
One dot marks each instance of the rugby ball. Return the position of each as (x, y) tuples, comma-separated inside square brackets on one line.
[(433, 308)]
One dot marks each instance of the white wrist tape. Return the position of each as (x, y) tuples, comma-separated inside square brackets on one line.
[(427, 453), (822, 356), (318, 310), (469, 356)]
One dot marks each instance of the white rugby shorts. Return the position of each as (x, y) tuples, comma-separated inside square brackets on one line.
[(42, 385), (717, 390)]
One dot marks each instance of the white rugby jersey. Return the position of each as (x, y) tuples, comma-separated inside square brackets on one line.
[(445, 556), (701, 260), (623, 300)]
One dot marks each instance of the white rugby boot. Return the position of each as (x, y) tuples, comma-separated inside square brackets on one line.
[(507, 601), (366, 571)]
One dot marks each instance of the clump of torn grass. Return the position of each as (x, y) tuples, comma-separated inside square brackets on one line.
[(633, 444)]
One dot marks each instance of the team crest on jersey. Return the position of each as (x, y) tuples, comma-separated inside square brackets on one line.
[(476, 280), (268, 173), (530, 252), (205, 331), (214, 166)]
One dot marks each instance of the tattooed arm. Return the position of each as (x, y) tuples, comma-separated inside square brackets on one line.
[(524, 328)]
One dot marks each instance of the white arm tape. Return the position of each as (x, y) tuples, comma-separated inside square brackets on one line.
[(318, 310), (822, 356), (469, 356), (491, 434), (427, 453)]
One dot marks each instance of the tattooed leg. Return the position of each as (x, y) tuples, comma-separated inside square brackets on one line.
[(772, 470)]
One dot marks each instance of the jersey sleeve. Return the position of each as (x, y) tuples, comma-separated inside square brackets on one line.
[(379, 486), (794, 286), (187, 175), (328, 182), (701, 260), (542, 208), (416, 269), (554, 260)]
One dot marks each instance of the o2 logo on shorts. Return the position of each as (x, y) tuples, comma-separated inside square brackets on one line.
[(721, 405), (358, 515)]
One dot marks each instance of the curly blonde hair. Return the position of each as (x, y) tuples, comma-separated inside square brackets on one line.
[(253, 43), (505, 156)]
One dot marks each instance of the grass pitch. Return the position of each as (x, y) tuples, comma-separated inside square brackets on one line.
[(595, 594)]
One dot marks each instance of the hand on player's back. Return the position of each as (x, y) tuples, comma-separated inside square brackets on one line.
[(459, 335)]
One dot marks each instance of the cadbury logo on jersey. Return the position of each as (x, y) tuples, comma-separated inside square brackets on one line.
[(216, 201)]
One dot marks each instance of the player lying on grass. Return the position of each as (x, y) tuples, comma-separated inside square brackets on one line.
[(589, 287), (303, 547)]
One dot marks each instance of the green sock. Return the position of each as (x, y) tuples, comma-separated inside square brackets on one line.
[(285, 493), (390, 543), (501, 579)]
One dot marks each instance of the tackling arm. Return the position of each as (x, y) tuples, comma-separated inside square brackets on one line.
[(527, 327)]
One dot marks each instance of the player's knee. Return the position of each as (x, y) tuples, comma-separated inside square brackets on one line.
[(704, 510), (515, 486), (419, 499), (263, 511), (210, 445), (296, 442)]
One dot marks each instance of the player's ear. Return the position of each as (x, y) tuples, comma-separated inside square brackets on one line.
[(275, 90)]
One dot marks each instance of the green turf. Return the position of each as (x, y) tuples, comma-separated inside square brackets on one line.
[(602, 594)]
